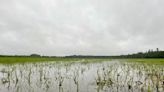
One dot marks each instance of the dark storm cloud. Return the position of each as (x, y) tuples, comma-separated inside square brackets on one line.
[(65, 27)]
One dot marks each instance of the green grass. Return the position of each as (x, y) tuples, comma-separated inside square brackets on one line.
[(148, 60), (29, 59), (22, 59)]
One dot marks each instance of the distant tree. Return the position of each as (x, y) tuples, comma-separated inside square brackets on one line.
[(35, 55), (150, 54), (149, 51), (157, 49), (140, 53)]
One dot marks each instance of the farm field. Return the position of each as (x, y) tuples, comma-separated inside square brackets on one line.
[(34, 74)]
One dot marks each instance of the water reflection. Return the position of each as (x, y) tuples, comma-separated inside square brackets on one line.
[(113, 76)]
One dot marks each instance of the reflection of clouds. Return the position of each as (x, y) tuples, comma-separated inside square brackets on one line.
[(81, 77)]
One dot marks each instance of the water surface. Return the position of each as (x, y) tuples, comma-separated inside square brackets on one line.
[(82, 76)]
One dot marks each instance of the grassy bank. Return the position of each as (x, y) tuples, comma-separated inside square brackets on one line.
[(32, 59), (23, 59), (147, 60)]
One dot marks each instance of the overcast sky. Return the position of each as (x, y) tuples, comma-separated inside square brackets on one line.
[(82, 27)]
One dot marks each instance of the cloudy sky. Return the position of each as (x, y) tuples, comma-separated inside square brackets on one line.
[(86, 27)]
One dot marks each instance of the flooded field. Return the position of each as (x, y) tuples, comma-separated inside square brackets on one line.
[(82, 76)]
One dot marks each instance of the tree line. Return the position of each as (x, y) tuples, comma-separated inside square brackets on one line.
[(149, 54)]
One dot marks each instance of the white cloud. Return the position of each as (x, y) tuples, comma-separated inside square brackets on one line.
[(90, 27)]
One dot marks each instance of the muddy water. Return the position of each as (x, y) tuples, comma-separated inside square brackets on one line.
[(81, 76)]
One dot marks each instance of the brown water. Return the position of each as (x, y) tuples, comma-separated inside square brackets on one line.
[(81, 76)]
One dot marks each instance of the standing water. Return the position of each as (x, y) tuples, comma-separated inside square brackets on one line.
[(82, 76)]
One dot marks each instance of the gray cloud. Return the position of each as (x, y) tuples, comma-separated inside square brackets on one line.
[(90, 27)]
